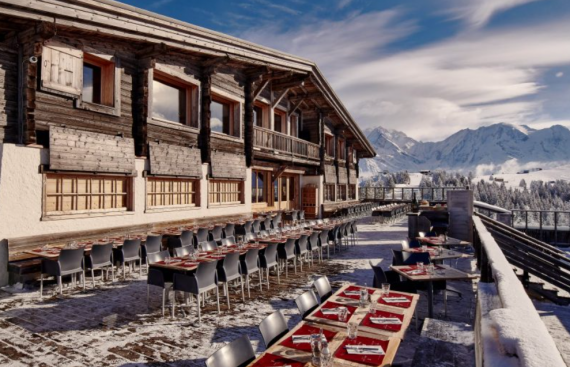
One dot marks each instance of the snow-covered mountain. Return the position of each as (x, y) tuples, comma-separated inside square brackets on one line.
[(467, 149)]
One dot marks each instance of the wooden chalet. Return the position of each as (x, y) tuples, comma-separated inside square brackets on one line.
[(115, 117)]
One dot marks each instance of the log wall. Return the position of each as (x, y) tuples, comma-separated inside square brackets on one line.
[(8, 95)]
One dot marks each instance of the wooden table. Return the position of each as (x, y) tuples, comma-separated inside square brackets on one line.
[(444, 254), (298, 357), (361, 313), (435, 241), (442, 272)]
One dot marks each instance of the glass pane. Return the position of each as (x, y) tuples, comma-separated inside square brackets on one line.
[(277, 122), (168, 102), (284, 188), (253, 186), (260, 187), (276, 191), (258, 116), (291, 188), (91, 83), (219, 120)]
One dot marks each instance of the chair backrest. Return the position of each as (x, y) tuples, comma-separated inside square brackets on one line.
[(230, 265), (153, 244), (302, 243), (267, 224), (269, 256), (71, 259), (206, 274), (421, 234), (187, 238), (229, 230), (131, 248), (405, 245), (236, 354), (209, 245), (414, 258), (101, 254), (273, 328), (277, 220), (228, 241), (307, 303), (183, 251), (202, 235), (250, 260), (289, 246), (397, 257), (295, 215), (414, 244), (323, 288), (314, 241), (256, 226), (302, 215), (159, 256), (247, 226), (379, 275), (217, 233), (324, 237)]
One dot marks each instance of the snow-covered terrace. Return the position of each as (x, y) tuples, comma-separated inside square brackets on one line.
[(111, 325)]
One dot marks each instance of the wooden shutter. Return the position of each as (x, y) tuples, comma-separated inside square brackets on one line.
[(330, 174), (227, 165), (62, 68), (352, 178), (342, 175), (175, 160)]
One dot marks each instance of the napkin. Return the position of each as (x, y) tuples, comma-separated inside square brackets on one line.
[(352, 293), (416, 272), (332, 311), (395, 299), (386, 320), (364, 349), (301, 339)]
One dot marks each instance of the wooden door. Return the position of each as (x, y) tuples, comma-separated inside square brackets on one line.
[(286, 192)]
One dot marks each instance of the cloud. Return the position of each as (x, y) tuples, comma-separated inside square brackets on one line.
[(477, 13), (159, 3), (559, 74), (344, 3)]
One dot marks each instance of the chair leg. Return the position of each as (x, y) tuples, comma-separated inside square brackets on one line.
[(295, 264), (164, 302), (278, 275), (198, 305), (124, 272), (247, 284), (242, 290), (286, 270), (260, 279), (267, 270), (83, 278), (41, 285), (140, 268), (93, 277), (147, 296), (227, 291), (60, 284), (218, 299)]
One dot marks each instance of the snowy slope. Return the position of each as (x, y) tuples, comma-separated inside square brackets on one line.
[(512, 179)]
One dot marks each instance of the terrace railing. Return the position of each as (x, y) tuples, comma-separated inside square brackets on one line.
[(405, 194), (283, 143)]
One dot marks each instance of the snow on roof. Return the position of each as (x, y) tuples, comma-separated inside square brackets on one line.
[(518, 328)]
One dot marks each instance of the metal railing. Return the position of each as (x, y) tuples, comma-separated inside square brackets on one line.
[(283, 143), (405, 194)]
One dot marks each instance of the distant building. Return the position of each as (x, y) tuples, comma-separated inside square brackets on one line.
[(425, 172)]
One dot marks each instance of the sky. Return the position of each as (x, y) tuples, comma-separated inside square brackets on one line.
[(427, 68)]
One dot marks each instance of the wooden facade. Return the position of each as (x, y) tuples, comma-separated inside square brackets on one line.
[(91, 82)]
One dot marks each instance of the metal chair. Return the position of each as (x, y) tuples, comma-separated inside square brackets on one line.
[(203, 280), (153, 244), (183, 251), (158, 278), (397, 257), (256, 226), (129, 253), (313, 245), (238, 353), (353, 231), (70, 262), (202, 235), (229, 241), (101, 257), (268, 260), (286, 253), (208, 245), (302, 250), (228, 270), (335, 238), (266, 224), (324, 242), (323, 288), (187, 238), (250, 265), (229, 230), (306, 303), (277, 220), (248, 227), (216, 233), (273, 328)]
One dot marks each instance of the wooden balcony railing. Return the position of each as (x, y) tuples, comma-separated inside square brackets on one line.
[(272, 140)]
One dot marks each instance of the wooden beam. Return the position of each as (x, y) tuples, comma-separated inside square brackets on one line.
[(248, 121), (260, 88), (277, 75), (295, 106), (277, 100), (205, 130), (152, 51), (307, 96), (287, 84), (275, 175), (210, 66)]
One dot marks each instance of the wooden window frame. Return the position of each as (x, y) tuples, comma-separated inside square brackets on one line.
[(329, 145), (192, 97), (341, 149), (327, 189), (194, 195), (351, 192), (233, 108), (222, 195), (342, 193), (110, 85), (266, 187), (284, 121), (294, 120), (86, 213), (264, 114)]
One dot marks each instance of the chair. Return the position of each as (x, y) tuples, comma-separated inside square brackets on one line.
[(157, 278), (335, 238), (229, 230), (268, 259), (208, 245), (266, 224), (229, 241), (353, 231), (307, 303), (248, 227), (313, 246), (228, 270), (277, 220), (152, 245), (101, 256), (286, 253), (390, 276), (216, 233), (203, 280), (273, 328), (405, 245), (238, 353), (202, 235), (250, 265), (301, 215), (324, 242), (397, 257), (187, 238), (414, 258), (128, 253), (70, 262), (183, 251), (301, 249), (256, 226), (323, 288)]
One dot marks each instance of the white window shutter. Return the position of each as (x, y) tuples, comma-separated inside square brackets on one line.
[(62, 68)]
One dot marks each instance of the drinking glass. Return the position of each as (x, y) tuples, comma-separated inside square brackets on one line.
[(420, 265), (363, 297), (315, 349), (352, 330), (385, 289), (343, 315), (431, 269), (372, 309), (424, 248)]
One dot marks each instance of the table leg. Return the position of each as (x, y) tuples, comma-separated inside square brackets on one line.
[(430, 299)]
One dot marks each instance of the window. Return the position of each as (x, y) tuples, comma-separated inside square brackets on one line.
[(329, 145), (350, 157), (98, 81), (351, 192), (70, 194), (172, 100), (222, 118), (280, 121), (341, 149), (330, 192), (162, 192), (259, 186), (261, 115), (342, 192), (294, 121), (225, 192)]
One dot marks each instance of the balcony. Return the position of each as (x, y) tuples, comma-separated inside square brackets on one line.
[(272, 143)]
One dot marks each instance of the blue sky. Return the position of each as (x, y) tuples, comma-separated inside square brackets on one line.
[(426, 67)]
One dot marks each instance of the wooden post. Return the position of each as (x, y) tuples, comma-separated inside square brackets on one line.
[(142, 85), (321, 125), (205, 130), (248, 121)]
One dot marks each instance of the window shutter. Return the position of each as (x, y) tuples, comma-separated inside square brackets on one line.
[(62, 68)]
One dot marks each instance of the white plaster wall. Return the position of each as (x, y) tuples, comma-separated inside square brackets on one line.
[(319, 182), (21, 199)]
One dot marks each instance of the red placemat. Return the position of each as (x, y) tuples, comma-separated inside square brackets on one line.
[(432, 240), (306, 330), (414, 268), (401, 305), (354, 288), (420, 250), (269, 359), (370, 359), (366, 321), (334, 317)]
